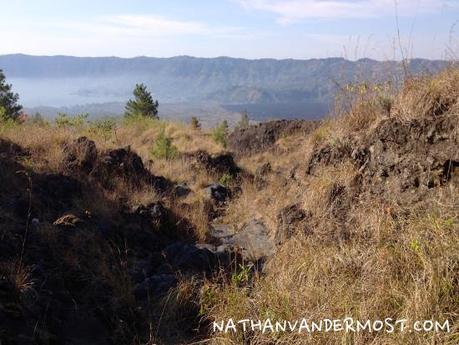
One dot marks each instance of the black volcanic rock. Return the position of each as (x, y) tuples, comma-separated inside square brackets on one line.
[(263, 136)]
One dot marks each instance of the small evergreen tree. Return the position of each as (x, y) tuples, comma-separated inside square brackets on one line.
[(143, 103), (220, 133), (244, 121), (195, 124), (163, 147), (8, 100)]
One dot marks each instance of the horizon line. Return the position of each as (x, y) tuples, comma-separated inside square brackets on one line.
[(220, 57)]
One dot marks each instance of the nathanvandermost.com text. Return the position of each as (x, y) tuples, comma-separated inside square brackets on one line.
[(347, 325)]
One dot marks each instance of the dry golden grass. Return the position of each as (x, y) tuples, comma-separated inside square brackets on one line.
[(45, 144), (398, 262), (428, 96), (398, 267)]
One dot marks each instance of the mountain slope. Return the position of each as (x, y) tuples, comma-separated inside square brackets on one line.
[(189, 79)]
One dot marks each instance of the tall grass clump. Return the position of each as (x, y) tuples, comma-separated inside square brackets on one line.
[(140, 121)]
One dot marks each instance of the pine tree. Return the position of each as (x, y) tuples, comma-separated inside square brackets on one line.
[(163, 147), (8, 100), (143, 103)]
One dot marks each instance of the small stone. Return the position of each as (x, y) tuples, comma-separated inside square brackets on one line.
[(181, 190), (218, 192), (220, 231), (68, 220)]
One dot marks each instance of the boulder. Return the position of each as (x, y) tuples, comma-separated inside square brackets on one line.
[(218, 192), (80, 155), (122, 162), (253, 241), (154, 214), (220, 232), (289, 220), (220, 164), (125, 164), (406, 159), (161, 184), (260, 137)]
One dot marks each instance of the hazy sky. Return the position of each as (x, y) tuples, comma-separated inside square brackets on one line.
[(238, 28)]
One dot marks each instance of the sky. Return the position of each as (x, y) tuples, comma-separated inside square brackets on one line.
[(299, 29)]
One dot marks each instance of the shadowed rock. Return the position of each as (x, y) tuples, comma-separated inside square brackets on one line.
[(217, 192), (10, 150), (155, 286), (110, 166), (263, 136), (219, 164), (181, 190), (80, 155), (397, 157), (154, 214), (192, 258)]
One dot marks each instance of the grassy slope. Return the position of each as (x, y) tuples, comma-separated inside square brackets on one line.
[(388, 259), (392, 260)]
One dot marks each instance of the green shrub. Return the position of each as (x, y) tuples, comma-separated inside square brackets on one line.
[(5, 120), (225, 179), (241, 276), (104, 128), (163, 148), (220, 133), (68, 121)]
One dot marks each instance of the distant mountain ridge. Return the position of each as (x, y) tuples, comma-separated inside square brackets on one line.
[(80, 80)]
